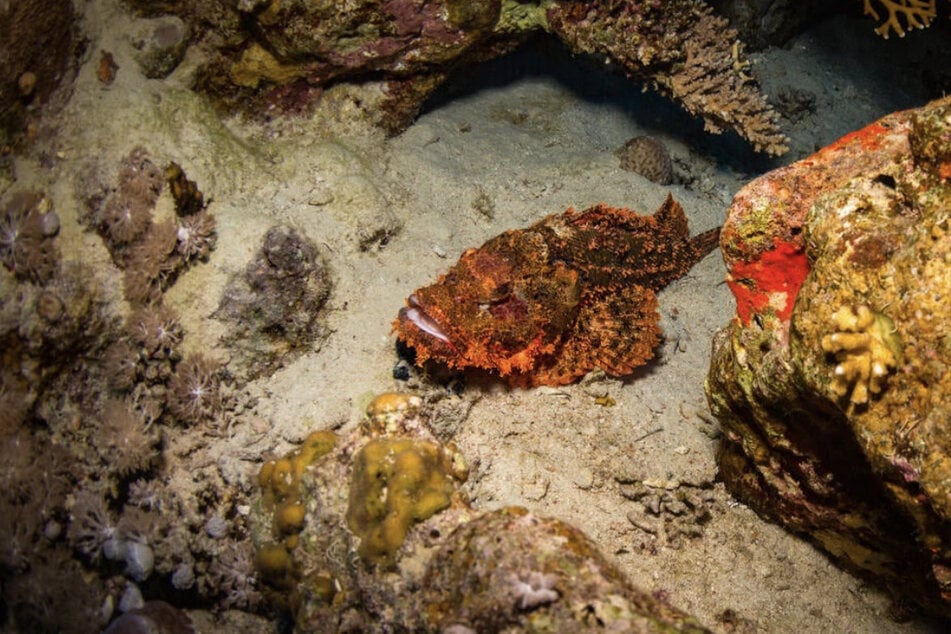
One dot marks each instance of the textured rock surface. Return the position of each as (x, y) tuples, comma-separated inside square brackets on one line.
[(36, 42), (832, 381), (453, 569), (282, 55)]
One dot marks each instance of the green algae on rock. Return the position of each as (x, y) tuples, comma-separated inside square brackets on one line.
[(833, 388)]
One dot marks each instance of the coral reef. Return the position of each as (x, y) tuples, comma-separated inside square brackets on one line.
[(832, 382), (648, 157), (916, 14), (90, 407), (547, 304), (284, 54), (388, 542), (275, 308)]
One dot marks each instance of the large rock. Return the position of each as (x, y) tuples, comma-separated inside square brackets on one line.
[(280, 56), (832, 380)]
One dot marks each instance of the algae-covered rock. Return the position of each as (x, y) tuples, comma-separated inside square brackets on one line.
[(388, 542), (832, 381), (279, 56)]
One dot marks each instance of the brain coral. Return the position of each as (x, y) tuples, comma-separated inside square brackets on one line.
[(648, 157)]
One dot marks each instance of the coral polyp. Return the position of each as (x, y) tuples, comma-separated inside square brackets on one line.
[(28, 225), (194, 391)]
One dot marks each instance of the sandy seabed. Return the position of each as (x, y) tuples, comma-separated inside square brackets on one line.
[(502, 146)]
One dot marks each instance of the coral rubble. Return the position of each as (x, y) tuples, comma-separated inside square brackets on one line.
[(832, 381), (384, 540)]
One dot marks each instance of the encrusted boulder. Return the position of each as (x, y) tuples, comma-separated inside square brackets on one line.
[(280, 56), (371, 532), (831, 382)]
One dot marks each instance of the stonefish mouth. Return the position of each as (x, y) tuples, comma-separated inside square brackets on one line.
[(416, 314)]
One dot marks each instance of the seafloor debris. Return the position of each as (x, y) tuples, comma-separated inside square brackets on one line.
[(546, 304), (385, 540), (833, 383), (281, 54)]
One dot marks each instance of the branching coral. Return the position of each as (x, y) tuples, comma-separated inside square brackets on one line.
[(684, 50), (866, 347), (917, 14)]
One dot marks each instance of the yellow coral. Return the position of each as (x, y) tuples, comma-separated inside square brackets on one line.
[(389, 410), (917, 14), (396, 482), (866, 347)]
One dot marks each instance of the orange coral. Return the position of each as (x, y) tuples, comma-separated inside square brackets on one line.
[(917, 14)]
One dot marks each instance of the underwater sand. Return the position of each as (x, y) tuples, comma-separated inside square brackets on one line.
[(518, 139)]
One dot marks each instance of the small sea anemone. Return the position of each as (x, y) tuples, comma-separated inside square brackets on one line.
[(125, 218), (125, 444), (196, 236), (140, 178), (121, 365), (233, 576), (151, 263), (156, 331), (194, 391), (91, 524), (149, 495), (28, 225)]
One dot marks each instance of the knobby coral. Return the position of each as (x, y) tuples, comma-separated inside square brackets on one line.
[(866, 347), (917, 14)]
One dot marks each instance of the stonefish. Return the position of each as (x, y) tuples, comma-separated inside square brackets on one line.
[(546, 304)]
